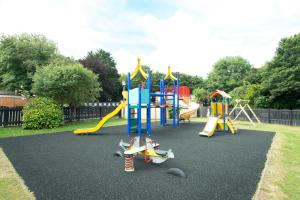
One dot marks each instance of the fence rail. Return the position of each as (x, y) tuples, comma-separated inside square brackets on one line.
[(13, 116), (272, 116)]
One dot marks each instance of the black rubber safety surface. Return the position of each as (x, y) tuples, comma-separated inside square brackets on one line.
[(66, 166)]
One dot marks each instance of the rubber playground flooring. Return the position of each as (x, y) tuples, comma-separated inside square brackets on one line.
[(66, 166)]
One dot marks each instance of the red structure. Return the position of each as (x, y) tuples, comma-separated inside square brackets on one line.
[(184, 91)]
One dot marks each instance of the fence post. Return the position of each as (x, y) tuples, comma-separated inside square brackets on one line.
[(78, 113), (269, 116), (291, 121), (5, 117)]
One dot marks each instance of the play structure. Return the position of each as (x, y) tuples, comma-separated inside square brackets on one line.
[(242, 104), (219, 118), (173, 101), (140, 98)]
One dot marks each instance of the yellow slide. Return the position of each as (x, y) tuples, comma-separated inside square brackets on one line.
[(187, 114), (102, 122), (210, 126)]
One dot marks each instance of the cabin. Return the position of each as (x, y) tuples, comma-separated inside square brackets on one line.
[(10, 99)]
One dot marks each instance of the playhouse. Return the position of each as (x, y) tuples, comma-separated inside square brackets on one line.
[(219, 119)]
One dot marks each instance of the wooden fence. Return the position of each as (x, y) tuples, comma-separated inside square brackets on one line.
[(13, 116), (272, 116)]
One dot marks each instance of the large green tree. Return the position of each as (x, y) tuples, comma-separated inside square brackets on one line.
[(281, 79), (201, 95), (67, 83), (191, 81), (228, 73), (20, 56), (103, 64)]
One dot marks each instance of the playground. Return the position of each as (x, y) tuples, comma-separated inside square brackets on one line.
[(211, 160), (63, 166)]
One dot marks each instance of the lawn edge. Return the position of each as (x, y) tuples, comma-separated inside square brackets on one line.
[(54, 132), (7, 171), (268, 187)]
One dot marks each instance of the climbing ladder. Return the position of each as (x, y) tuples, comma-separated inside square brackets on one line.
[(231, 125)]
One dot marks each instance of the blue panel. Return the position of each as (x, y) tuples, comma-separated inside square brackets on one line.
[(134, 96), (145, 98)]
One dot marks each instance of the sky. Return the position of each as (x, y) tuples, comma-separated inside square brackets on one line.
[(188, 35)]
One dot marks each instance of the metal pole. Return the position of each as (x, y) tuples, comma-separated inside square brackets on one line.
[(139, 110), (128, 105)]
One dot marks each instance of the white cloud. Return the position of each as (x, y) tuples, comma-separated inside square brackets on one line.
[(194, 37), (65, 22)]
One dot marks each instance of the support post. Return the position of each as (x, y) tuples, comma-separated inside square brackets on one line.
[(174, 107), (178, 96), (139, 110), (149, 105), (128, 105), (253, 113)]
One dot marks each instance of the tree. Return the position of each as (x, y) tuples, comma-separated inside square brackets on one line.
[(201, 95), (254, 76), (67, 83), (190, 81), (103, 64), (246, 92), (228, 73), (281, 80), (20, 56)]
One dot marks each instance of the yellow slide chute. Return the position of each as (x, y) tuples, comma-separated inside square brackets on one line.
[(105, 119), (210, 126), (102, 122)]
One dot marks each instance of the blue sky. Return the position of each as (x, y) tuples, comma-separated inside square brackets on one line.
[(189, 35)]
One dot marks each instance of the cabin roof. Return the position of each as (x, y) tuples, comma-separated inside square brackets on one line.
[(220, 93)]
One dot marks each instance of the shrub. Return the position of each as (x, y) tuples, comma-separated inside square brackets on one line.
[(41, 113)]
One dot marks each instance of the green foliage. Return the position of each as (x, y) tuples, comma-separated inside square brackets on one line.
[(255, 75), (103, 64), (228, 73), (20, 56), (191, 81), (67, 83), (246, 92), (201, 95), (42, 113), (281, 79)]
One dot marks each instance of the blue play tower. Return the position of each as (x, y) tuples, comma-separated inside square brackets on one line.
[(140, 98)]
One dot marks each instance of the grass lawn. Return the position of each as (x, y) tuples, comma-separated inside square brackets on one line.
[(18, 131), (281, 176)]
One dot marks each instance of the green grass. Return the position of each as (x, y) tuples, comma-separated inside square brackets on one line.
[(18, 131), (287, 160), (11, 184)]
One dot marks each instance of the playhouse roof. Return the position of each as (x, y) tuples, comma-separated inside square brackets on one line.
[(219, 93)]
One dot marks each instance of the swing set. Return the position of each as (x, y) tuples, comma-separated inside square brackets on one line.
[(242, 104)]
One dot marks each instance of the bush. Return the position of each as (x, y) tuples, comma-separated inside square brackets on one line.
[(42, 113)]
